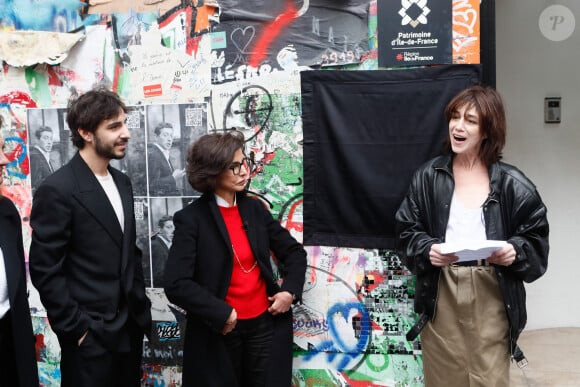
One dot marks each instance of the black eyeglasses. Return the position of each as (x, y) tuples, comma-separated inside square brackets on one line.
[(236, 167)]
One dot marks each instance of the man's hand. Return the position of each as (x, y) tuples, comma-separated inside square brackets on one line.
[(178, 174)]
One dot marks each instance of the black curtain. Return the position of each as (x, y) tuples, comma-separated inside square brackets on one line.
[(365, 133)]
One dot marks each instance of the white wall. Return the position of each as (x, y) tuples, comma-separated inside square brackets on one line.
[(529, 68)]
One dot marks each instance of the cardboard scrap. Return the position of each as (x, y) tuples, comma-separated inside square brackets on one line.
[(27, 48)]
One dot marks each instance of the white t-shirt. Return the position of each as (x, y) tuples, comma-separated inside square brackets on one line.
[(465, 224), (112, 192)]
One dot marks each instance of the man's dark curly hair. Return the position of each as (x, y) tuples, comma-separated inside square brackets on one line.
[(38, 132), (89, 110), (164, 219)]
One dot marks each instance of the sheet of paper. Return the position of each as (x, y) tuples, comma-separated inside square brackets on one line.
[(472, 250)]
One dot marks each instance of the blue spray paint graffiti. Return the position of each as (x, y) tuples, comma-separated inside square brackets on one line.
[(13, 167), (337, 348)]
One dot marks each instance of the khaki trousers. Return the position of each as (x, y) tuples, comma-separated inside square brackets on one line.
[(467, 343)]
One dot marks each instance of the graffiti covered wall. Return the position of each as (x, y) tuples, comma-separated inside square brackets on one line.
[(209, 66)]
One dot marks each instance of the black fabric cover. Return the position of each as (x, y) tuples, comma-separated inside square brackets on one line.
[(365, 133)]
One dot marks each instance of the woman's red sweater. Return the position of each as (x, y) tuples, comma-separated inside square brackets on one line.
[(247, 291)]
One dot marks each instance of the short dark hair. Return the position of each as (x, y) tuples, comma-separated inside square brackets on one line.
[(42, 129), (161, 126), (164, 219), (492, 122), (90, 109), (210, 156)]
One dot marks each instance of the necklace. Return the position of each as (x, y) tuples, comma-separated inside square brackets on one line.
[(240, 262)]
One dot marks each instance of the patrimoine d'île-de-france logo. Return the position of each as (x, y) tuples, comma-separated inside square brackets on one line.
[(414, 12)]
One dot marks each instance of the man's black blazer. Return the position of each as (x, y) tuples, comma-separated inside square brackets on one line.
[(13, 251), (161, 180), (159, 253), (39, 168), (86, 268)]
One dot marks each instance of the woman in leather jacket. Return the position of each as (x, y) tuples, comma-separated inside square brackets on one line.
[(472, 312)]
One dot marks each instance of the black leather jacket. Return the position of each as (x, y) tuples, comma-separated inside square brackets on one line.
[(513, 212)]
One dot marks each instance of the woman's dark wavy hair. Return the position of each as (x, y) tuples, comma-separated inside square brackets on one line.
[(89, 110), (492, 122), (209, 157)]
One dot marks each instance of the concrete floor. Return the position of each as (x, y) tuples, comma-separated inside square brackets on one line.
[(553, 356)]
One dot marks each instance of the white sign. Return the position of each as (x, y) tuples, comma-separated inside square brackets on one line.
[(557, 23)]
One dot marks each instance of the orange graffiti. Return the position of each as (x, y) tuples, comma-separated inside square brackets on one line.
[(466, 32)]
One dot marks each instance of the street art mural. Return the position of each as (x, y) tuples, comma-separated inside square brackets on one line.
[(52, 15), (210, 66), (286, 35)]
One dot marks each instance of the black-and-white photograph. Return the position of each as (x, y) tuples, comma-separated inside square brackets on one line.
[(50, 146), (161, 235), (160, 187), (141, 208), (48, 143), (171, 129), (133, 164)]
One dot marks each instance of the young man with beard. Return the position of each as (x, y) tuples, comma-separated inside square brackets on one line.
[(83, 257)]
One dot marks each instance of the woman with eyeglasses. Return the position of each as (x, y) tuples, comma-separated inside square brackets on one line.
[(239, 318)]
